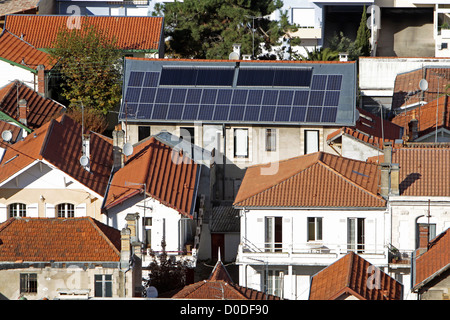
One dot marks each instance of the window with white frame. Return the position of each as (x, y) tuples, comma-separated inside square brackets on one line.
[(273, 282), (271, 140), (65, 210), (315, 229), (355, 234), (17, 210), (103, 285), (273, 234), (241, 143), (311, 141)]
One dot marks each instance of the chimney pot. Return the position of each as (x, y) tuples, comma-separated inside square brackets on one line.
[(23, 111)]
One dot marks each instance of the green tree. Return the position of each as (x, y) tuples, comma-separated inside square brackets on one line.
[(207, 29), (321, 54), (90, 67), (362, 42)]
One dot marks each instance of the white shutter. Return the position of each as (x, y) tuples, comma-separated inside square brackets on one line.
[(50, 210), (241, 136), (3, 212), (80, 210), (33, 210), (312, 141)]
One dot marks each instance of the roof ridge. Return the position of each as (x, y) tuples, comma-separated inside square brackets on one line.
[(102, 234)]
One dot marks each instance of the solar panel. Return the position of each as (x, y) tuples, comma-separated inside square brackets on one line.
[(301, 98), (224, 96), (316, 98), (145, 111), (148, 95), (255, 77), (193, 95), (175, 111), (239, 97), (331, 98), (298, 114), (160, 111), (178, 77), (190, 112), (215, 77), (135, 79), (194, 76), (319, 82), (334, 82), (178, 96), (254, 97), (267, 113), (292, 77), (252, 113), (209, 96), (221, 112), (283, 114), (163, 95), (285, 98), (329, 114), (236, 113), (268, 77), (313, 114), (151, 79), (205, 112), (270, 97), (133, 94)]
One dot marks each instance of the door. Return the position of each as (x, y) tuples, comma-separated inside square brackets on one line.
[(355, 234), (273, 234)]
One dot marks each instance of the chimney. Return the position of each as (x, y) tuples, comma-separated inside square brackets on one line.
[(131, 220), (237, 48), (413, 127), (389, 173), (118, 142), (125, 248), (23, 111), (41, 80)]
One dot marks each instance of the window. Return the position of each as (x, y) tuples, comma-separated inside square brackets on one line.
[(273, 234), (314, 229), (271, 140), (311, 141), (103, 285), (143, 132), (273, 282), (355, 234), (148, 232), (187, 133), (241, 143), (65, 210), (17, 210), (28, 283), (425, 233)]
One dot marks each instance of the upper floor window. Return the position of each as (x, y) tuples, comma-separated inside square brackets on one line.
[(187, 134), (311, 141), (314, 229), (241, 143), (28, 283), (103, 285), (271, 140), (17, 210), (65, 210)]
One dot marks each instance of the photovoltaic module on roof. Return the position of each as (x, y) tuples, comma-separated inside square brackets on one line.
[(231, 93)]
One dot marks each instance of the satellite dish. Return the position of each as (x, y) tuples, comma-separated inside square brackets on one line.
[(84, 161), (423, 85), (7, 135), (233, 56), (152, 292), (127, 149)]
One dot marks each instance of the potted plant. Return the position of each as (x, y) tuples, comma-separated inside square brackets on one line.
[(445, 30)]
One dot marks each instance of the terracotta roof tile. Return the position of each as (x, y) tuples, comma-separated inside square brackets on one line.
[(434, 261), (170, 177), (59, 142), (314, 180), (426, 116), (369, 129), (16, 6), (350, 276), (16, 50), (406, 86), (58, 239), (131, 33), (39, 109)]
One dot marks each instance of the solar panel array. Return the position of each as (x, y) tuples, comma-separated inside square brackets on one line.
[(223, 94)]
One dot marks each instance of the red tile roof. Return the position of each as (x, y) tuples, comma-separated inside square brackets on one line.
[(59, 142), (39, 109), (434, 261), (369, 129), (16, 50), (350, 276), (407, 90), (426, 116), (131, 33), (16, 6), (220, 286), (58, 239), (170, 177), (313, 180)]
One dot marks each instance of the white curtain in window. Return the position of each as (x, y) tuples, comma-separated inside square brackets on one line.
[(241, 136), (312, 141)]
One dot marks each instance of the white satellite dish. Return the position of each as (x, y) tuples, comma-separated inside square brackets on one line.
[(127, 149), (7, 135), (233, 56), (423, 85), (152, 292), (84, 161)]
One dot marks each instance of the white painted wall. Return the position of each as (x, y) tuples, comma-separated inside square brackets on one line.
[(9, 72), (353, 149)]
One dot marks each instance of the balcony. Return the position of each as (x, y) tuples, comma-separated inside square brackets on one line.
[(316, 253)]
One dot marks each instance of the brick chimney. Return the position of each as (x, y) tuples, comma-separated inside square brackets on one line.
[(389, 173), (118, 142), (413, 127), (23, 111), (125, 247), (41, 80)]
